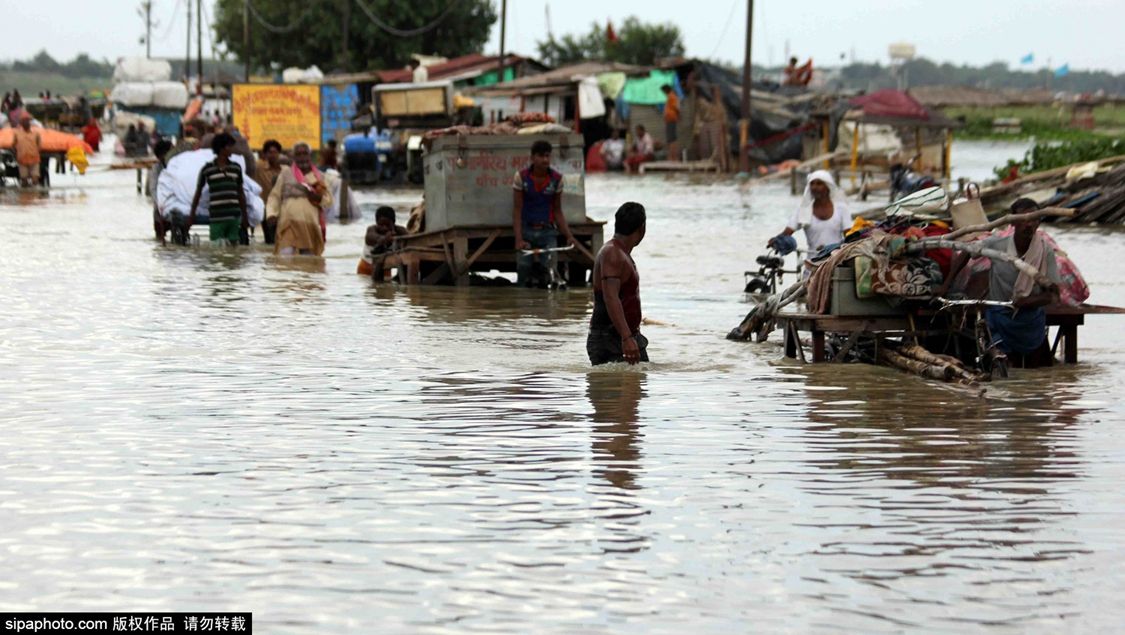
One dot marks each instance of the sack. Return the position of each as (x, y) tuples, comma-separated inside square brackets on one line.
[(141, 69), (169, 95), (863, 275), (136, 94), (927, 201)]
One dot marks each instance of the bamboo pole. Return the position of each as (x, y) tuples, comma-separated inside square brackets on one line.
[(855, 151), (930, 371), (1006, 220)]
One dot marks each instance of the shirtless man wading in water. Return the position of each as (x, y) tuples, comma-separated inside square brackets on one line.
[(615, 333)]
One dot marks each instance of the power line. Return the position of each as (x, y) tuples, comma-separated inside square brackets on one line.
[(407, 32), (730, 17), (172, 22), (273, 28)]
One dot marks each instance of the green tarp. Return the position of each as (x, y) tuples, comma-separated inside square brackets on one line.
[(489, 78), (611, 84), (646, 91)]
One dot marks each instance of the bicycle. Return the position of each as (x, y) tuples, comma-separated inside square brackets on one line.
[(989, 358), (771, 272)]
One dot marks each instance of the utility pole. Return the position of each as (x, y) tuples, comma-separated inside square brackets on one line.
[(744, 123), (198, 41), (346, 16), (503, 27), (246, 41), (187, 53), (145, 11)]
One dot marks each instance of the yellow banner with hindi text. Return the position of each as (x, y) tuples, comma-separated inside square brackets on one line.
[(289, 113)]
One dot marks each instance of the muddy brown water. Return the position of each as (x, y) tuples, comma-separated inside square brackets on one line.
[(215, 429)]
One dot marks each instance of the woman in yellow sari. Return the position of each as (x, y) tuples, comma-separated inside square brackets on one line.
[(297, 201)]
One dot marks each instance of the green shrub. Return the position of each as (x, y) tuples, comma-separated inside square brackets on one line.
[(1050, 155)]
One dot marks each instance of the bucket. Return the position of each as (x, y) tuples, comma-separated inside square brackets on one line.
[(968, 211)]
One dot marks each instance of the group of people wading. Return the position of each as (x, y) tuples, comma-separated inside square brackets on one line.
[(296, 197), (295, 193)]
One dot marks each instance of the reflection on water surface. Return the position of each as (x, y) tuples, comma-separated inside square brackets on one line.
[(225, 430)]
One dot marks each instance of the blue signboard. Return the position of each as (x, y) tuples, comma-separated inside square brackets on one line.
[(337, 108)]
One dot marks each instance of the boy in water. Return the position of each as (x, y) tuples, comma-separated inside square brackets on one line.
[(379, 240)]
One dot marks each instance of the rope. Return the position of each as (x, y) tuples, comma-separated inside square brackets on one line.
[(407, 32), (272, 28)]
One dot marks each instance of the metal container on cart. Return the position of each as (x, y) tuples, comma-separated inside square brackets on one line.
[(469, 178)]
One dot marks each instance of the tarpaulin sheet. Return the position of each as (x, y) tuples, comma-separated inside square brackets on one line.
[(49, 140), (890, 103), (646, 91)]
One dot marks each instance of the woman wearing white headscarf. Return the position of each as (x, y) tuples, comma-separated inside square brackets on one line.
[(823, 214)]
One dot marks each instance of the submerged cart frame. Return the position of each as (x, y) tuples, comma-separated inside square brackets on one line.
[(450, 256)]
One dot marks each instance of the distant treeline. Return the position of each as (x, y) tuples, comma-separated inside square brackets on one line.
[(81, 66), (924, 72), (858, 76)]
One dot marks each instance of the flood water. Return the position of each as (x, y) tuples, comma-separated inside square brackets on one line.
[(190, 429)]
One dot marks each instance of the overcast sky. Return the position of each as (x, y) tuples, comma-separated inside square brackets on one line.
[(1084, 33)]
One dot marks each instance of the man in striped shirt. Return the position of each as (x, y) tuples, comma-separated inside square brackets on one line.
[(223, 179)]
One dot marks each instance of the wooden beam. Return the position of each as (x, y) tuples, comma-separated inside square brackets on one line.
[(480, 250)]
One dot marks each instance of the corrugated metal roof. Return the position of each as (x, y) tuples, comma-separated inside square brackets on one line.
[(560, 77), (471, 64)]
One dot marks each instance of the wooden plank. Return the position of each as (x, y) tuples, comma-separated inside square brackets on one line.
[(704, 165), (847, 347), (437, 274), (797, 343), (480, 250), (818, 346), (804, 165), (460, 257), (1070, 348)]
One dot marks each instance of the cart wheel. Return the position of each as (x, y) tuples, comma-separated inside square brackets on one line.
[(179, 236), (756, 285)]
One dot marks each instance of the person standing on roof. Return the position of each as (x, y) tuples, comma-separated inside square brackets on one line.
[(419, 74), (794, 75), (823, 214), (537, 216)]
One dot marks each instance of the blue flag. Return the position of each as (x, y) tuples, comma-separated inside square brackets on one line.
[(1062, 71), (1027, 59)]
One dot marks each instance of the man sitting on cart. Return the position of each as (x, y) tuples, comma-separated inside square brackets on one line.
[(537, 216)]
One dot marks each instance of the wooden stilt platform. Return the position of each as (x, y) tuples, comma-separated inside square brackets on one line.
[(705, 165), (1067, 319), (450, 256)]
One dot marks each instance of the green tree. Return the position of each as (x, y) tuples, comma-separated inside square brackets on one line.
[(637, 43), (42, 62), (307, 32), (83, 66)]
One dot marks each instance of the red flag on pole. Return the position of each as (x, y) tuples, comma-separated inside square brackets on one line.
[(610, 34)]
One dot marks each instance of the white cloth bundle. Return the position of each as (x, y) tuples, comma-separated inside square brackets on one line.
[(176, 187)]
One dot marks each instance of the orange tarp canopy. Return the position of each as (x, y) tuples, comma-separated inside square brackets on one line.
[(50, 140)]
